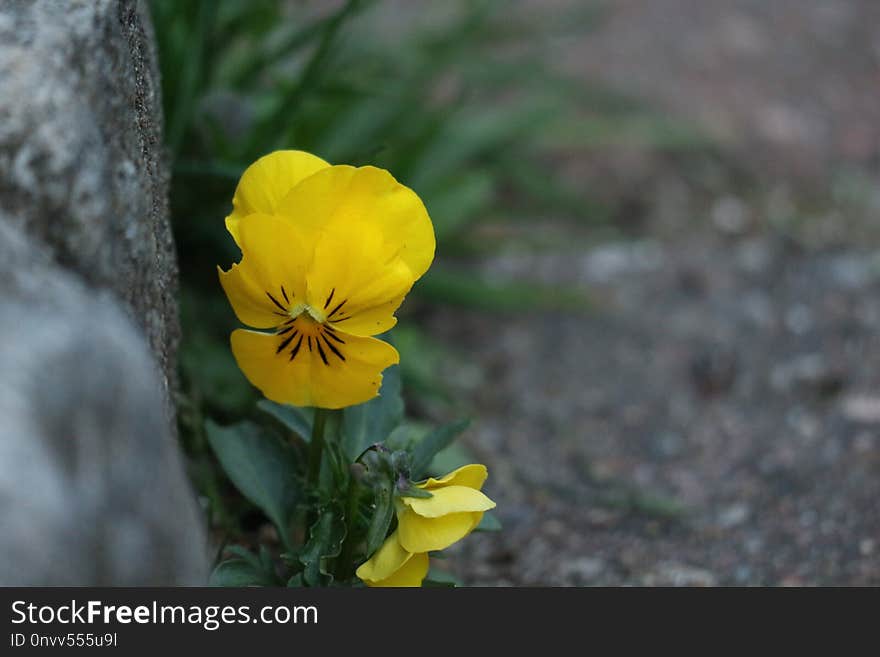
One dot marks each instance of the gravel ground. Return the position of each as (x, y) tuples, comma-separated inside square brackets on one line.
[(716, 419)]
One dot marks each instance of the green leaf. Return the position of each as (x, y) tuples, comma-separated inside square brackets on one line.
[(383, 514), (241, 572), (373, 421), (298, 420), (458, 200), (325, 543), (334, 471), (472, 134), (266, 559), (243, 553), (440, 578), (436, 441), (452, 458), (489, 523), (262, 468), (309, 78), (464, 289)]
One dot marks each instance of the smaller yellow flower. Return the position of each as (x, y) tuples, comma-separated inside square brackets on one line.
[(454, 509), (391, 565)]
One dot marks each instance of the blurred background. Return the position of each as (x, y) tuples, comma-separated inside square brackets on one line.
[(658, 266)]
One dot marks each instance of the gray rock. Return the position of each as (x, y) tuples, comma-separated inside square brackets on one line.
[(92, 484), (92, 488), (81, 166)]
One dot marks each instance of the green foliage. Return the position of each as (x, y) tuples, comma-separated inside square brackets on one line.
[(367, 458), (262, 468), (245, 569), (373, 421), (243, 79), (324, 545), (489, 523), (433, 443), (440, 579), (460, 287), (383, 514), (297, 420)]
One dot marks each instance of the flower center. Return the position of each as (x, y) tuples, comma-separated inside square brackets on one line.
[(306, 327)]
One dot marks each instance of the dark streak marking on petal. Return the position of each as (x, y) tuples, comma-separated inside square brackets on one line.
[(275, 301), (285, 342), (335, 337), (284, 293), (330, 298), (336, 309), (332, 348), (321, 351), (294, 351)]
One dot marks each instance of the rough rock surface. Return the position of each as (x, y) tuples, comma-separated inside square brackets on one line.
[(92, 485), (92, 488), (80, 151)]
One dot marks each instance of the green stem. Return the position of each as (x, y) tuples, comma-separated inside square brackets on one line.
[(316, 451)]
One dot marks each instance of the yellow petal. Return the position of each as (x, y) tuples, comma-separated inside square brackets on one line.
[(449, 499), (349, 279), (420, 534), (248, 299), (391, 565), (411, 574), (267, 181), (359, 201), (472, 476), (370, 321), (315, 375), (276, 253)]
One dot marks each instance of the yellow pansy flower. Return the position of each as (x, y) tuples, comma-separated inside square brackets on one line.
[(328, 254), (391, 565), (454, 509)]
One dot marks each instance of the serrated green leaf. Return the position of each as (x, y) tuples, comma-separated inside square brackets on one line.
[(298, 420), (238, 572), (325, 543), (436, 441), (262, 468)]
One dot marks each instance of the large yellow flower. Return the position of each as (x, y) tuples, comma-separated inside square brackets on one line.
[(391, 565), (454, 509), (328, 254)]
